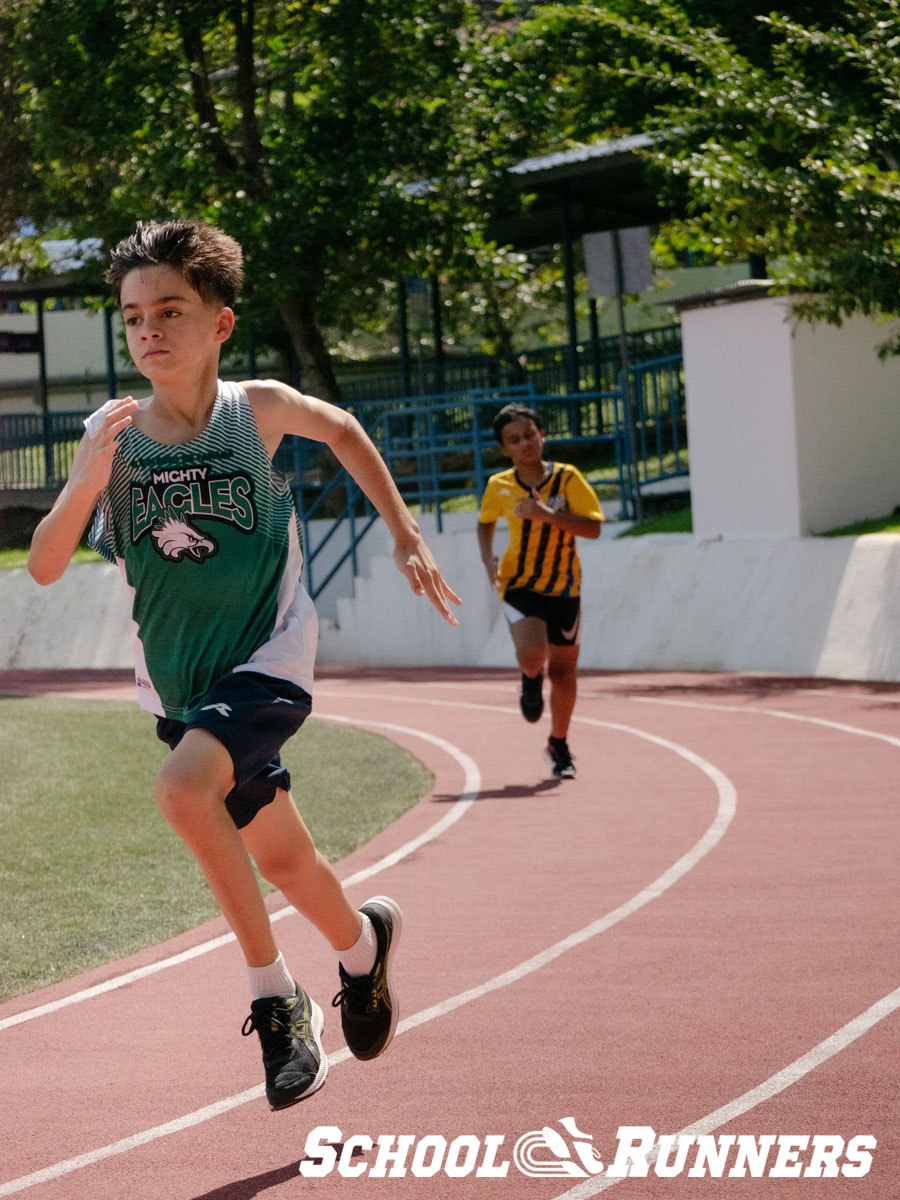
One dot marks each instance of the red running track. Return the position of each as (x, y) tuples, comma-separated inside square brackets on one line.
[(697, 936)]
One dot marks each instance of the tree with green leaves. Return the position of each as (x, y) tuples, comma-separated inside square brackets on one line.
[(785, 146), (297, 127)]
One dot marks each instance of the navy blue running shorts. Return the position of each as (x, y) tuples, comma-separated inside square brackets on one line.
[(561, 614), (252, 715)]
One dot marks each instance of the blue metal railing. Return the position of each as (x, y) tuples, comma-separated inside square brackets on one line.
[(545, 369), (36, 450), (658, 404), (437, 448)]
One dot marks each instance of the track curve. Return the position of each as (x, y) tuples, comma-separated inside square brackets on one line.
[(694, 936)]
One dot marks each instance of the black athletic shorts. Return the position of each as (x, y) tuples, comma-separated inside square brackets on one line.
[(561, 614), (252, 715)]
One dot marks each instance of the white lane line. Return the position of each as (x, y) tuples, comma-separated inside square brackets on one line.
[(725, 810), (472, 786), (772, 712), (460, 807), (770, 1087), (819, 1054)]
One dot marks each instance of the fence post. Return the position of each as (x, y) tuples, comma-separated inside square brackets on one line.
[(625, 380), (112, 382), (629, 446), (403, 337), (572, 370), (477, 452), (49, 472), (434, 469), (438, 327)]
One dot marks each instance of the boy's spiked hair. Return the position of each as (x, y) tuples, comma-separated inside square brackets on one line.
[(210, 260), (510, 413)]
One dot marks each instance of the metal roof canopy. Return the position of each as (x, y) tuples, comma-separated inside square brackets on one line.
[(589, 189), (51, 288)]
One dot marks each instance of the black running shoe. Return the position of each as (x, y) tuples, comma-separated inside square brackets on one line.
[(290, 1030), (368, 1003), (531, 697), (560, 760)]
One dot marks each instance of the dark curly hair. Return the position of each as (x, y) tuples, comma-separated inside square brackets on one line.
[(510, 413), (210, 260)]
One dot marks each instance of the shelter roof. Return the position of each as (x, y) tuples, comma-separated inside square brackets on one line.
[(52, 288), (71, 262), (606, 185)]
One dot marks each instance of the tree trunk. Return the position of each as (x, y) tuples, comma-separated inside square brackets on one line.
[(316, 372)]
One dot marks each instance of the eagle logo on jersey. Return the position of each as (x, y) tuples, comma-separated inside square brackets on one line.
[(177, 539)]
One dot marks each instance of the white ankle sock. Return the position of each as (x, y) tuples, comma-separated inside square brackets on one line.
[(359, 959), (273, 980)]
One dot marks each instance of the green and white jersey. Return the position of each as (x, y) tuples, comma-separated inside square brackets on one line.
[(205, 534)]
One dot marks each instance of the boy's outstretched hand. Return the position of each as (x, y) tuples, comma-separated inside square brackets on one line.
[(416, 562)]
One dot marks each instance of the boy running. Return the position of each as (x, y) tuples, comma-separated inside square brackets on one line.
[(205, 534), (546, 506)]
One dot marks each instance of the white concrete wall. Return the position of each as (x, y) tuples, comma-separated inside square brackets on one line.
[(793, 428), (83, 620), (847, 412), (740, 420), (803, 606), (376, 542)]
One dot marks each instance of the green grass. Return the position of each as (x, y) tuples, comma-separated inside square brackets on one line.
[(888, 524), (18, 557), (89, 869), (677, 521)]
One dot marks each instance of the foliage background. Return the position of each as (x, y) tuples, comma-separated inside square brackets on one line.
[(352, 143)]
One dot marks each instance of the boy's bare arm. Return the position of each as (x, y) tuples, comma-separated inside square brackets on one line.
[(486, 547), (280, 410), (534, 509), (58, 534)]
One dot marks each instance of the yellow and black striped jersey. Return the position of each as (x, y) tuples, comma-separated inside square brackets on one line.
[(540, 556)]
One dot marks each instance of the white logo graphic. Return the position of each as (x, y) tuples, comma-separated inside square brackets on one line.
[(547, 1153), (569, 634), (530, 1160), (224, 710), (175, 537)]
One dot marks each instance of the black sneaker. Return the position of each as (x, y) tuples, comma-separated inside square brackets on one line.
[(290, 1029), (531, 697), (560, 760), (368, 1003)]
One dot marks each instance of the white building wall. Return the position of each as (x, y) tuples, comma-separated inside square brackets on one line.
[(740, 419), (847, 411), (75, 343), (793, 428)]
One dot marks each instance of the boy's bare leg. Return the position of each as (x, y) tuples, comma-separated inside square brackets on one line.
[(530, 640), (284, 852), (191, 788), (286, 855), (562, 668)]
